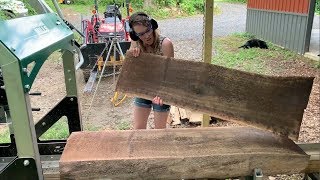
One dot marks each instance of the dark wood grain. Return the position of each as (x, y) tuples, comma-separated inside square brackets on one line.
[(270, 103)]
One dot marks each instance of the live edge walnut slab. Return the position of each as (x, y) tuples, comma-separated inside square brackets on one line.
[(271, 103)]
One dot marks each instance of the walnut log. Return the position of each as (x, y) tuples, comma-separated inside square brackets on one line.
[(182, 153)]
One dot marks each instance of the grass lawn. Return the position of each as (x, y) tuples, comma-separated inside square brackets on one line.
[(58, 131), (264, 61)]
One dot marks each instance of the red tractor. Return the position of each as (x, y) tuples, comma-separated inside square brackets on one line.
[(99, 32)]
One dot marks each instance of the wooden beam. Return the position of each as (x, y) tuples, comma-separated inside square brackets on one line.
[(270, 103), (179, 153), (207, 44), (208, 31)]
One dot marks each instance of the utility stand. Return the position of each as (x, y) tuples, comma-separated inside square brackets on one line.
[(115, 44)]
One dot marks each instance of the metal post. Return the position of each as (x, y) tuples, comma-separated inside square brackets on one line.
[(71, 82), (20, 109), (207, 45), (115, 44), (96, 6), (309, 26), (69, 73), (55, 3), (257, 174), (128, 7)]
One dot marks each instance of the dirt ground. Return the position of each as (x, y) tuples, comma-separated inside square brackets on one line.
[(100, 114)]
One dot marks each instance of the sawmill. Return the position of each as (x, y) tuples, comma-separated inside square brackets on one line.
[(264, 144)]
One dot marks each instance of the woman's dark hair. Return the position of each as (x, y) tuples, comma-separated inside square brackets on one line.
[(141, 18)]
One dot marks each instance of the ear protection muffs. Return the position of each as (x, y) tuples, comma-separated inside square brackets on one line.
[(133, 35)]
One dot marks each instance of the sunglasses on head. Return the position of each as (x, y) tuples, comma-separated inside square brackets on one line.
[(143, 33)]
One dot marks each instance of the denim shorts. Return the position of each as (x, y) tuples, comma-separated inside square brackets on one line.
[(148, 104)]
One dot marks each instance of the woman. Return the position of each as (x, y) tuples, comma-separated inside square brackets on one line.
[(146, 39)]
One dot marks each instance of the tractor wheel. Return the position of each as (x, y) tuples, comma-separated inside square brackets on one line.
[(67, 1)]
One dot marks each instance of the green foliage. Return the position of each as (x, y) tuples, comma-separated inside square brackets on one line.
[(137, 3), (82, 2), (187, 6), (58, 131), (103, 4), (166, 3), (2, 16), (159, 13), (317, 7), (5, 135), (31, 10), (191, 6)]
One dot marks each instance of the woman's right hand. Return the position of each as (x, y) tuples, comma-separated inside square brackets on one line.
[(135, 52)]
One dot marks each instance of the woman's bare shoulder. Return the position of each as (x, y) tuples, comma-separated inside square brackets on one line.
[(167, 42), (167, 48)]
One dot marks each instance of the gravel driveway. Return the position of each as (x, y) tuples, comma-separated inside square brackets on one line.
[(232, 19), (187, 33)]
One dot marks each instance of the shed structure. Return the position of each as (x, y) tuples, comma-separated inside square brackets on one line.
[(287, 23)]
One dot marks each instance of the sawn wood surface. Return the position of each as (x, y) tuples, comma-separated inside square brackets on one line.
[(184, 153), (267, 102)]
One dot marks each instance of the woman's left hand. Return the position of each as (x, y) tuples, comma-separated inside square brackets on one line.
[(157, 100)]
